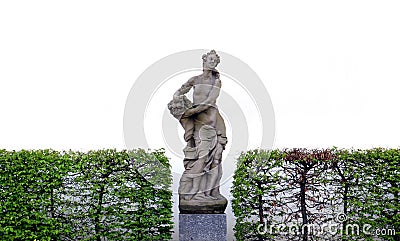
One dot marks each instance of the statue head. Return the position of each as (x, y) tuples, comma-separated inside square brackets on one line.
[(210, 60)]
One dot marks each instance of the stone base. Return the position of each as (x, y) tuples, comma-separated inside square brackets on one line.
[(203, 206), (199, 227)]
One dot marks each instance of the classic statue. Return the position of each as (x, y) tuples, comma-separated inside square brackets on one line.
[(205, 134)]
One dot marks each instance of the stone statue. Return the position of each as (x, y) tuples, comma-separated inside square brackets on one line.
[(205, 134)]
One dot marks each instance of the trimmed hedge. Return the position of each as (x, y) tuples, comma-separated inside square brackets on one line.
[(98, 195), (292, 191)]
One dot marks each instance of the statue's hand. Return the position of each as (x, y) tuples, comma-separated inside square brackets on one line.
[(189, 112)]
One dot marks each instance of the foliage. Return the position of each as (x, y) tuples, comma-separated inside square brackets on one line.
[(98, 195), (292, 191)]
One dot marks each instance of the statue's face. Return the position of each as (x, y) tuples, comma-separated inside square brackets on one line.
[(211, 61)]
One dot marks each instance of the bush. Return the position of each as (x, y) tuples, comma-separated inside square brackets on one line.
[(98, 195), (290, 192)]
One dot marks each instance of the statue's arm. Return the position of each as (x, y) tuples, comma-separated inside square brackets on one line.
[(185, 87)]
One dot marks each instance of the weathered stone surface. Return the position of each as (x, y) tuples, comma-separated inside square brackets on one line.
[(199, 227), (203, 206), (205, 134)]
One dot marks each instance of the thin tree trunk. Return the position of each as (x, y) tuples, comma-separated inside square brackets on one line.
[(260, 209), (303, 205), (98, 213), (345, 198)]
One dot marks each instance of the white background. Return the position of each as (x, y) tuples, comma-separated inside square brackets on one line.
[(330, 67)]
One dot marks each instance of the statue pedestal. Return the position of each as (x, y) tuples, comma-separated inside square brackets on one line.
[(203, 207), (199, 227)]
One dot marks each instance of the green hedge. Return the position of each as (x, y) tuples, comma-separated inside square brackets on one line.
[(98, 195), (294, 192)]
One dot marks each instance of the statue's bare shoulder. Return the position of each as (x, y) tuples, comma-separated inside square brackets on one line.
[(196, 79)]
